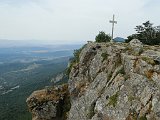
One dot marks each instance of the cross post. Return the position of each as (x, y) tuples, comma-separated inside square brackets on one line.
[(113, 22)]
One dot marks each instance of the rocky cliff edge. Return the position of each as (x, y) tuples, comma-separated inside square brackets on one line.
[(110, 81)]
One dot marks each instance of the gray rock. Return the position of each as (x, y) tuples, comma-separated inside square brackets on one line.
[(136, 46), (109, 83), (48, 104), (121, 87), (135, 43)]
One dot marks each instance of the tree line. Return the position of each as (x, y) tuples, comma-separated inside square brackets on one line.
[(146, 33)]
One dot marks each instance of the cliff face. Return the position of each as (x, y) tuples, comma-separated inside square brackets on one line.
[(49, 104), (111, 81)]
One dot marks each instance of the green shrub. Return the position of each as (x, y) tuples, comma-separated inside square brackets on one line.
[(102, 37), (74, 60), (147, 34), (113, 100)]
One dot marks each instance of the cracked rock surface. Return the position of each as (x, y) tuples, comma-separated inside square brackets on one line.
[(125, 85), (111, 81)]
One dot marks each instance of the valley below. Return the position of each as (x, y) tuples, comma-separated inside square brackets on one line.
[(24, 70)]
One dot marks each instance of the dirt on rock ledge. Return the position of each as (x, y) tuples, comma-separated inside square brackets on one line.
[(110, 81)]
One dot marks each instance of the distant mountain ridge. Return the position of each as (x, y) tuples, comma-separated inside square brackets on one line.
[(119, 39), (5, 43)]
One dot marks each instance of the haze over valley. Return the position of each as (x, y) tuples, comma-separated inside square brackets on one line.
[(25, 68)]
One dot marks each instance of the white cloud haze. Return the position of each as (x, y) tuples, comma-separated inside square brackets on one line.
[(71, 21)]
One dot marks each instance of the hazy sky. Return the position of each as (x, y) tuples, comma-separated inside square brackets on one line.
[(72, 21)]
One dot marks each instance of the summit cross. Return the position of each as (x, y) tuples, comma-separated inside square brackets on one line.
[(113, 22)]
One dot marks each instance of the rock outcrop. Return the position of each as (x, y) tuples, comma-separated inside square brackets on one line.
[(49, 104), (111, 81)]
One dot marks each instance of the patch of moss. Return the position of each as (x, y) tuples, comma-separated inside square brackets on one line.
[(130, 98), (113, 100), (148, 60), (104, 56), (143, 118)]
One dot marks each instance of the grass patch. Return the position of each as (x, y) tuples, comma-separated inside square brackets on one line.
[(113, 100), (130, 98), (149, 60)]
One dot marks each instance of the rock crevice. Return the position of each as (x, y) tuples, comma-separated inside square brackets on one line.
[(111, 81)]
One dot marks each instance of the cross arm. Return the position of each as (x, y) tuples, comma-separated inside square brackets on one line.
[(113, 21)]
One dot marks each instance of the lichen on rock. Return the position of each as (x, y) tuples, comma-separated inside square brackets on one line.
[(50, 103), (111, 81)]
